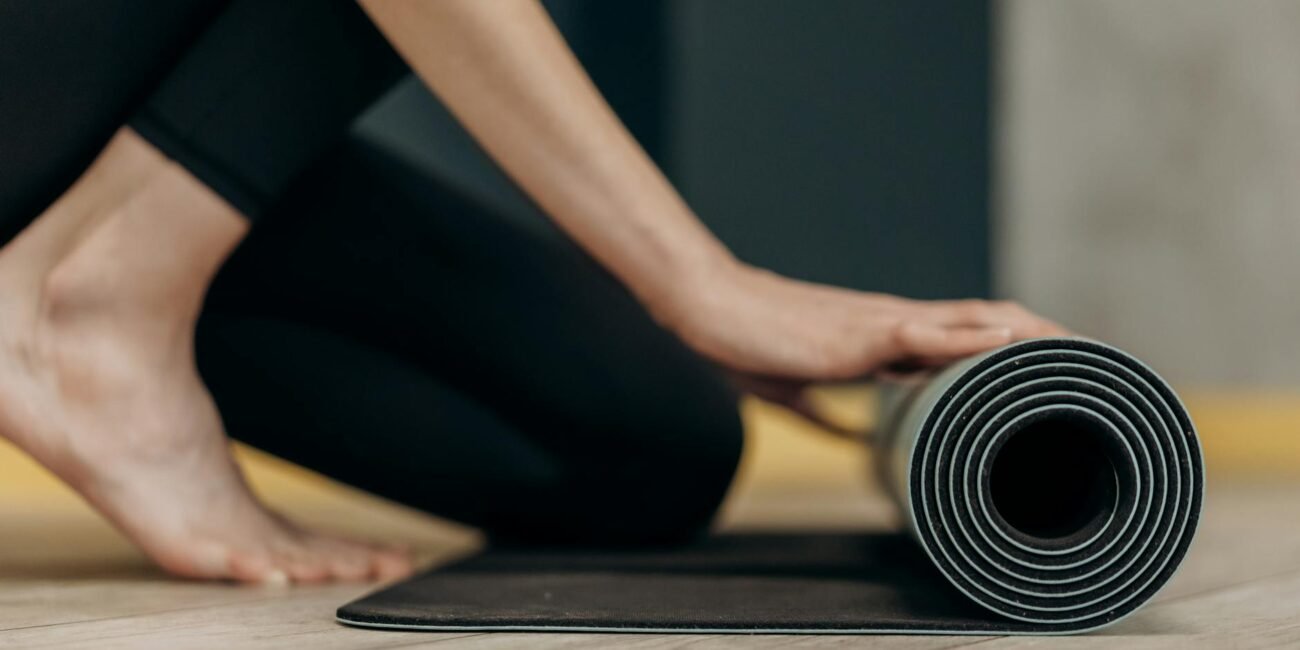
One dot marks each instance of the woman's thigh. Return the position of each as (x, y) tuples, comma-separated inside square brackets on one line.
[(264, 91), (70, 74), (639, 437), (246, 94)]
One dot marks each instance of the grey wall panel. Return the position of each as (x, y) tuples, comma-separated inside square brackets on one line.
[(1150, 166)]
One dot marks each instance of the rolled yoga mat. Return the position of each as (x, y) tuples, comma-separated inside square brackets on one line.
[(1055, 482), (1050, 486)]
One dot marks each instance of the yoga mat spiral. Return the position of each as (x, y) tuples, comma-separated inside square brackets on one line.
[(1056, 482)]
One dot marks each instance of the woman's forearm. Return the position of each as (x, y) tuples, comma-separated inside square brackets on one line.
[(506, 73), (502, 68)]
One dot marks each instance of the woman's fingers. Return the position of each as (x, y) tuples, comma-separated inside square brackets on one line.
[(759, 323), (985, 313), (919, 340)]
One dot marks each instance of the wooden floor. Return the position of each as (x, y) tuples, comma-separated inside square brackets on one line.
[(68, 580)]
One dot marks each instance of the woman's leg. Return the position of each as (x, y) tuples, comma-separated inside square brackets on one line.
[(101, 292), (264, 91), (72, 73), (99, 297), (387, 332)]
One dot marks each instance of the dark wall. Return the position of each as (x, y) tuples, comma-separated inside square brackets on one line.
[(841, 140)]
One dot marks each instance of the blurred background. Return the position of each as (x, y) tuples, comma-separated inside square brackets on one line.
[(1128, 167), (1148, 166)]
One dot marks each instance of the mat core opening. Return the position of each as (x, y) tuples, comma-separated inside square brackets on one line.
[(1054, 479)]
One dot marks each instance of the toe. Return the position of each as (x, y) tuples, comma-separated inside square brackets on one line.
[(348, 561), (302, 564), (350, 568), (253, 567), (309, 571), (345, 559), (390, 564), (352, 559), (193, 560)]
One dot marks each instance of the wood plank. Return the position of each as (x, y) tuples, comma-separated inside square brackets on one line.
[(1249, 531), (293, 618), (60, 563), (1262, 613), (1266, 612)]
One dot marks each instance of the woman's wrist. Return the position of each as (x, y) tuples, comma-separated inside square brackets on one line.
[(683, 280)]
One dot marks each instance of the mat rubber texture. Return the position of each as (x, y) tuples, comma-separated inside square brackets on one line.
[(740, 583)]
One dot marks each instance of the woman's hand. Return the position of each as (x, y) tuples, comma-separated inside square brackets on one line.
[(776, 335), (757, 322)]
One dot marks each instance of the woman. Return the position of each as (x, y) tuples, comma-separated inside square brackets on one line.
[(374, 325)]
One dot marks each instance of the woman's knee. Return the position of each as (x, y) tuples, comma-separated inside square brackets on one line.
[(660, 490), (671, 493)]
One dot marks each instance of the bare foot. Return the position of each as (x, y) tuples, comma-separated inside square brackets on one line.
[(98, 383)]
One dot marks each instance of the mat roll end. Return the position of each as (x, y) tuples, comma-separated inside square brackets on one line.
[(1056, 482)]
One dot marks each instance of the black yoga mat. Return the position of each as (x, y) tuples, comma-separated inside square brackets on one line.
[(1051, 486)]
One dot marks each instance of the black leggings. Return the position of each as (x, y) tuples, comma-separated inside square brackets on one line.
[(383, 330), (246, 94)]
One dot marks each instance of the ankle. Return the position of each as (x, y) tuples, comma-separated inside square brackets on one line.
[(125, 166), (85, 286), (152, 256)]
